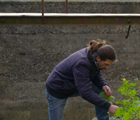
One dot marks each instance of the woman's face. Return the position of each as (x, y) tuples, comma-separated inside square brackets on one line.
[(104, 64)]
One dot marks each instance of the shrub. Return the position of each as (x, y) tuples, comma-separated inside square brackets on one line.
[(130, 109)]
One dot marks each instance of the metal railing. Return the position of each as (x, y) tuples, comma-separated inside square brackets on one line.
[(68, 18)]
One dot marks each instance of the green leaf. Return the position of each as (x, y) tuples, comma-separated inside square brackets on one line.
[(111, 98), (119, 112), (102, 95), (127, 116)]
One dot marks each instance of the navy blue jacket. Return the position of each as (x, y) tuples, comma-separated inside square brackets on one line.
[(75, 73)]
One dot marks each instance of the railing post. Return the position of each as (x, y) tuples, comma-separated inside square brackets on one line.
[(43, 19), (66, 6)]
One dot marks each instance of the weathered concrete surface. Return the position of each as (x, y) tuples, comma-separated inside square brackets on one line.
[(71, 0), (29, 53), (74, 7)]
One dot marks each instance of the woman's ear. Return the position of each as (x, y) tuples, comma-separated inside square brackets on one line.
[(98, 59)]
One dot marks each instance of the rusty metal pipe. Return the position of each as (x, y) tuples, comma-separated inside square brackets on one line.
[(69, 19), (43, 19), (66, 6)]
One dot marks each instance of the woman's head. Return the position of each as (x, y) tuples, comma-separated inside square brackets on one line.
[(105, 54), (102, 50)]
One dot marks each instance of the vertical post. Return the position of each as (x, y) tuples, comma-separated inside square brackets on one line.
[(66, 6), (43, 12)]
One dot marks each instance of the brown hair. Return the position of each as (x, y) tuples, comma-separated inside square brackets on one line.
[(102, 50), (95, 45)]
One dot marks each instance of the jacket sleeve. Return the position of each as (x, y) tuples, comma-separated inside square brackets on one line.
[(81, 74), (99, 81)]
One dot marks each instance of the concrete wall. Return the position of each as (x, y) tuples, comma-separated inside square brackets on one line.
[(71, 0), (29, 53)]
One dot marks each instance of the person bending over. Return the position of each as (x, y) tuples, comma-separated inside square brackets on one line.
[(79, 74)]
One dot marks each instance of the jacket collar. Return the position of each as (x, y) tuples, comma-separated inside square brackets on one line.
[(92, 59)]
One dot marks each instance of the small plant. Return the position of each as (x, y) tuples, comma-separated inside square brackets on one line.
[(102, 95), (22, 53), (130, 109), (43, 48)]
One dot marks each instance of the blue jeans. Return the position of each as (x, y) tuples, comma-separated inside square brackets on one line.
[(56, 106)]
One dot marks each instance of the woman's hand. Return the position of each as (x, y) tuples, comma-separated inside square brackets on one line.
[(107, 90), (113, 108)]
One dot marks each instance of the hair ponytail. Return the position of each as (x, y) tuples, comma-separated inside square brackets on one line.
[(95, 45), (102, 50)]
